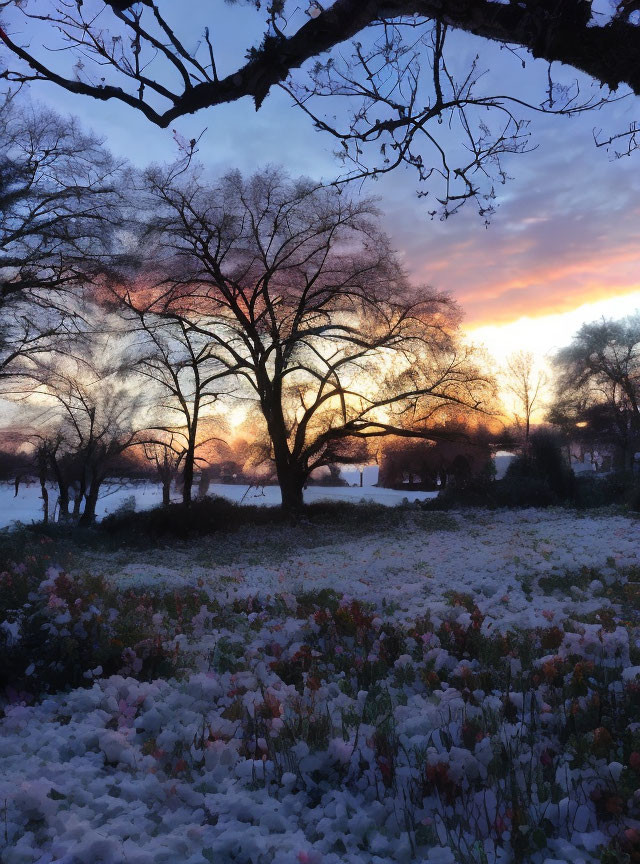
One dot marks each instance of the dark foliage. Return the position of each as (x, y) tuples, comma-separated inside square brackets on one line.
[(543, 469), (621, 488), (538, 478), (217, 515), (59, 631), (542, 478)]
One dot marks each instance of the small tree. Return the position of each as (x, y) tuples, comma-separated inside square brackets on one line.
[(305, 307), (525, 383), (541, 475), (165, 457), (90, 415), (57, 459), (175, 355)]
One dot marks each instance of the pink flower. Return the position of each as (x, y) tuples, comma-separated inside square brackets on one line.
[(311, 857), (55, 602)]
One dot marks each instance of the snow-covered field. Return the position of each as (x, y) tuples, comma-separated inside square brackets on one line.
[(463, 688), (26, 507)]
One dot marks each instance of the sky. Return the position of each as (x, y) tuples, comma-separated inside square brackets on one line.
[(561, 249)]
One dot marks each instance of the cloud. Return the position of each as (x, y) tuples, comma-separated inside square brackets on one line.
[(567, 228), (567, 231)]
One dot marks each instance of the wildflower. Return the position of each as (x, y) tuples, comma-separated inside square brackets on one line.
[(546, 757), (311, 857)]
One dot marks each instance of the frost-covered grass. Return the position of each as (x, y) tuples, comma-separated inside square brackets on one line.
[(462, 690)]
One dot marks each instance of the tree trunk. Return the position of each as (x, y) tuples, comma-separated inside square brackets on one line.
[(291, 474), (77, 502), (190, 454), (291, 479), (63, 502), (63, 490), (166, 490), (42, 477), (291, 484), (45, 501), (187, 476), (91, 499)]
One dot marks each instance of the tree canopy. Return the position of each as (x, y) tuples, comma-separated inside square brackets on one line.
[(60, 203), (598, 383), (306, 310)]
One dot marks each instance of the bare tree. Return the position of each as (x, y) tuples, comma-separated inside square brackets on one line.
[(176, 356), (525, 382), (27, 333), (54, 457), (166, 457), (59, 207), (402, 85), (90, 416), (304, 306)]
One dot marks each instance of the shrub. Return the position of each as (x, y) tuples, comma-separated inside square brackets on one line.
[(612, 489), (543, 469), (633, 501), (539, 478), (218, 515), (126, 506), (59, 630)]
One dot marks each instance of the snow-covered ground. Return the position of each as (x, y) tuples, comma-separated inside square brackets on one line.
[(495, 557), (469, 711), (26, 507)]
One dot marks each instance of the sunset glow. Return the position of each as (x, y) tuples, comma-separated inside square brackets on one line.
[(545, 333)]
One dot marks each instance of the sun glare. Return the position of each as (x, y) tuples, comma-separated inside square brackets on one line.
[(544, 335)]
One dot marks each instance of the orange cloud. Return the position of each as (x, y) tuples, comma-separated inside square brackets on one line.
[(497, 283)]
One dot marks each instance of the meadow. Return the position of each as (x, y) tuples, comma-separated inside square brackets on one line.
[(455, 687)]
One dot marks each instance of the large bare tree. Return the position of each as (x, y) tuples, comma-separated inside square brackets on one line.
[(304, 305), (389, 59), (60, 197)]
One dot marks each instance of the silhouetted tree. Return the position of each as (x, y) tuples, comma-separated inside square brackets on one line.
[(525, 382), (303, 303), (598, 381), (176, 356), (59, 205), (542, 475), (166, 458), (90, 414)]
